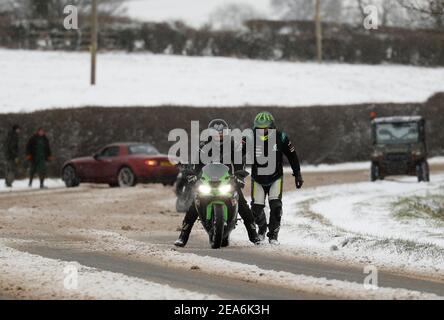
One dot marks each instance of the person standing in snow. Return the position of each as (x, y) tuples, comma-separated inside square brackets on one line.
[(38, 153), (11, 150), (271, 184)]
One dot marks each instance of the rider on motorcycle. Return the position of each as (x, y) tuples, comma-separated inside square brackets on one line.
[(244, 210), (271, 184)]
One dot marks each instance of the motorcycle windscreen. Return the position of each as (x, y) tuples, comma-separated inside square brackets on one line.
[(215, 172)]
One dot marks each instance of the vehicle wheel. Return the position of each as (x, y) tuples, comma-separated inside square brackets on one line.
[(218, 226), (126, 178), (422, 172), (70, 177), (374, 172)]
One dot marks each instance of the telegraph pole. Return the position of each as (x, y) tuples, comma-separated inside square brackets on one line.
[(318, 30), (93, 47)]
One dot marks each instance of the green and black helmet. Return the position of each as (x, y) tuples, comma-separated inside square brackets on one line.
[(264, 120)]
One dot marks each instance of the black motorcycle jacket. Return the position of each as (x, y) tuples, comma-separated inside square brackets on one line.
[(235, 163), (282, 147)]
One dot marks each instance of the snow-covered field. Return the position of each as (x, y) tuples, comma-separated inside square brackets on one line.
[(194, 13), (397, 223), (34, 80)]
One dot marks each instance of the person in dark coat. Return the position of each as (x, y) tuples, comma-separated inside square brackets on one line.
[(11, 149), (38, 153)]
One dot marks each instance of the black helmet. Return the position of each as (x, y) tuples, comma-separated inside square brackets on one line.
[(219, 125)]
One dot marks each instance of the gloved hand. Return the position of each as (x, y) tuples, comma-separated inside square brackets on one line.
[(298, 180), (191, 178), (240, 182)]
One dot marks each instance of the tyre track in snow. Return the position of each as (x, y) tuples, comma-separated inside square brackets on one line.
[(223, 287), (268, 261)]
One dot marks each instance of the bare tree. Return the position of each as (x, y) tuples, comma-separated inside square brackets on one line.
[(432, 10), (53, 9), (390, 13), (318, 30), (232, 16), (330, 10)]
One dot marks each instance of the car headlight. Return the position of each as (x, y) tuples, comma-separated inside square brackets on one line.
[(204, 189), (225, 188)]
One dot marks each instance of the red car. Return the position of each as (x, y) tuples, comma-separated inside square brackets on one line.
[(121, 164)]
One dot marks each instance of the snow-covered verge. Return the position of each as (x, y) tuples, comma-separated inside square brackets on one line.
[(112, 242), (35, 80), (436, 160), (30, 276), (391, 224), (20, 185), (349, 166), (382, 210)]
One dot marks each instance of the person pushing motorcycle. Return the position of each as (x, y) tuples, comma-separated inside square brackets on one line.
[(191, 215), (270, 184)]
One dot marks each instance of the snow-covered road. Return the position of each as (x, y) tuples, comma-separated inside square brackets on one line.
[(121, 240)]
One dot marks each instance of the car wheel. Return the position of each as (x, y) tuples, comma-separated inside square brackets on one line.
[(126, 178), (70, 177)]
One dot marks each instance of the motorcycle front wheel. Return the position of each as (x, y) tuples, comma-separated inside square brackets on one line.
[(218, 226)]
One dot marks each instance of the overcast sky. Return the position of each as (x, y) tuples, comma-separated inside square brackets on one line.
[(192, 12)]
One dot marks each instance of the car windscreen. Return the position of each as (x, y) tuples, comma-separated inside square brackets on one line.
[(142, 149), (397, 132)]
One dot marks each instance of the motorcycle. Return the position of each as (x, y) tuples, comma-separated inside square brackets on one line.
[(216, 201)]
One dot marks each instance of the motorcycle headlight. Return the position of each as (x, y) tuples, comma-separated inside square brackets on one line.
[(204, 189), (225, 188)]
